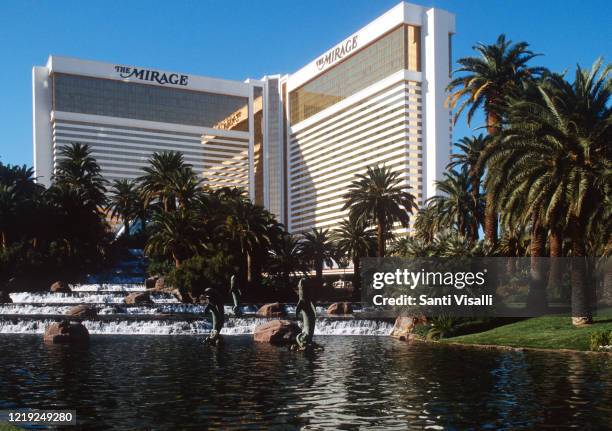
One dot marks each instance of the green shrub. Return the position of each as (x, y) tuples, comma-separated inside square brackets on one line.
[(601, 338), (442, 326), (198, 273)]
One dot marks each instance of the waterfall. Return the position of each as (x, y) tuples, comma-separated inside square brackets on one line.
[(31, 312)]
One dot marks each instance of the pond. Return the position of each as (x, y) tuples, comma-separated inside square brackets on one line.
[(357, 382)]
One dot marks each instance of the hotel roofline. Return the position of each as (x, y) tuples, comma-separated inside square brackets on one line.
[(402, 13)]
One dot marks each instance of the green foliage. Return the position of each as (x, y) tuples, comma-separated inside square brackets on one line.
[(441, 326), (201, 272), (380, 197), (600, 339)]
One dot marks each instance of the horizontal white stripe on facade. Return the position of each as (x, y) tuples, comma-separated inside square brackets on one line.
[(397, 92), (358, 129)]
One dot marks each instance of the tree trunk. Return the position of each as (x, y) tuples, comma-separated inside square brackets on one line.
[(554, 273), (249, 262), (581, 310), (356, 275), (319, 272), (476, 198), (380, 237), (536, 300), (177, 261), (490, 227), (490, 220), (126, 228)]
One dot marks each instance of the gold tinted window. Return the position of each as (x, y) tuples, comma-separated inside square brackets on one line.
[(395, 51)]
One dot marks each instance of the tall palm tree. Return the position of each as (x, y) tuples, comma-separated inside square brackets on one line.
[(500, 70), (455, 206), (245, 225), (186, 186), (355, 240), (286, 257), (158, 180), (175, 234), (428, 222), (317, 247), (380, 197), (468, 156), (123, 202), (556, 156), (78, 170)]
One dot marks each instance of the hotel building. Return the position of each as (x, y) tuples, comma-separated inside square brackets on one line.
[(294, 141)]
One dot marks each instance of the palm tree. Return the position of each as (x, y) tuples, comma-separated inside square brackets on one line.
[(428, 222), (317, 247), (175, 234), (380, 197), (123, 202), (77, 169), (159, 179), (455, 206), (186, 186), (286, 257), (499, 71), (9, 203), (245, 225), (556, 156), (470, 150), (354, 239)]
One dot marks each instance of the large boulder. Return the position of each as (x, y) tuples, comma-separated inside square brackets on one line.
[(66, 332), (277, 332), (83, 311), (138, 298), (60, 287), (151, 282), (272, 310), (339, 308), (403, 327)]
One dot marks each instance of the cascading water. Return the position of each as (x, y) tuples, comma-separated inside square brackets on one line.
[(32, 312)]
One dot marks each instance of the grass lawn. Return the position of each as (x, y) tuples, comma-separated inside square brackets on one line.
[(7, 427), (547, 332)]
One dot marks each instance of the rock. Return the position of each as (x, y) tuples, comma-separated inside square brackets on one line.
[(60, 287), (66, 332), (403, 327), (277, 332), (582, 321), (160, 283), (139, 298), (83, 311), (340, 308), (272, 310), (151, 282)]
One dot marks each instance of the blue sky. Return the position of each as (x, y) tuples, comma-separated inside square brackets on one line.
[(240, 39)]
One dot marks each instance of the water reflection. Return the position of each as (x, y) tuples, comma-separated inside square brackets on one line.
[(124, 382)]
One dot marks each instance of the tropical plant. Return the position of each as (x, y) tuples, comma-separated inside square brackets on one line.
[(500, 70), (467, 158), (246, 227), (175, 234), (455, 206), (286, 259), (555, 155), (317, 247), (158, 183), (354, 239), (123, 202), (380, 197)]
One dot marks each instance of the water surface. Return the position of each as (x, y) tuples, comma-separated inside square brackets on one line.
[(174, 382)]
